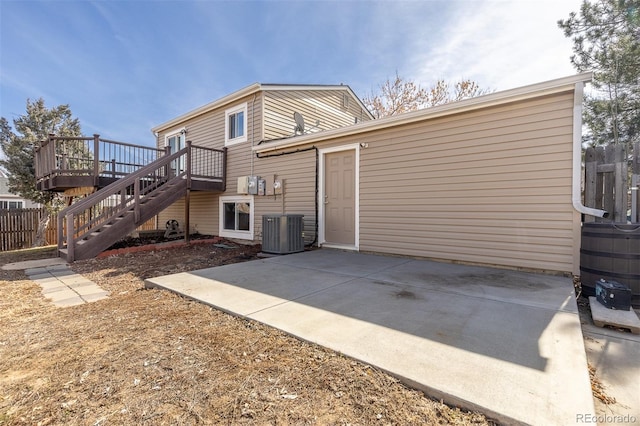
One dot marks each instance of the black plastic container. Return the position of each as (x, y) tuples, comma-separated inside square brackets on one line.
[(613, 295), (610, 251)]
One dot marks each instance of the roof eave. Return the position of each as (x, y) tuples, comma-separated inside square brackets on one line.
[(208, 107), (249, 90), (320, 87), (511, 95)]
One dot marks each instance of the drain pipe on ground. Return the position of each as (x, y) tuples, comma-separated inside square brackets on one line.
[(576, 192)]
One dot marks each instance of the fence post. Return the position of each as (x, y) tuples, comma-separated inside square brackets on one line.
[(635, 183), (590, 179), (621, 184)]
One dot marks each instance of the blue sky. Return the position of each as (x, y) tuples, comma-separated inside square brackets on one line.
[(126, 66)]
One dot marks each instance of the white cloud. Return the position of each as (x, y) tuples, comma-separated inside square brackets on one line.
[(500, 44)]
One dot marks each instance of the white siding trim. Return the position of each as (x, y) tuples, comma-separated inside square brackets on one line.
[(236, 109), (169, 135), (321, 190)]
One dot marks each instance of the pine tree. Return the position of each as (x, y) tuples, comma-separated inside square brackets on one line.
[(606, 40), (19, 146)]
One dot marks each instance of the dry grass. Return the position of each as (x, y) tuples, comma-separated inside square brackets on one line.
[(151, 357), (598, 388)]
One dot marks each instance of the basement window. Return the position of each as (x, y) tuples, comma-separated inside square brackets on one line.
[(235, 125), (236, 217)]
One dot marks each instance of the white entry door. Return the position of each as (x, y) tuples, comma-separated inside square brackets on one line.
[(175, 143)]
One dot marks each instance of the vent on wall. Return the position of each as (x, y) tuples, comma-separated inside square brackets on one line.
[(282, 233)]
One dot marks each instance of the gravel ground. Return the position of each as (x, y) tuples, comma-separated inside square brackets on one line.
[(152, 357)]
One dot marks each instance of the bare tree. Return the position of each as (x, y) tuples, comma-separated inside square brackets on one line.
[(399, 95)]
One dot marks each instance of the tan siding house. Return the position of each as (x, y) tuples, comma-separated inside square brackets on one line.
[(268, 113), (492, 180)]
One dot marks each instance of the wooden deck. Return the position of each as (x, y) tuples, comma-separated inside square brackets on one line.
[(86, 164)]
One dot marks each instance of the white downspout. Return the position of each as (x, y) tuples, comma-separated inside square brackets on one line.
[(576, 197)]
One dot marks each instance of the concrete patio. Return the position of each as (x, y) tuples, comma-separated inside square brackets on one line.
[(506, 343)]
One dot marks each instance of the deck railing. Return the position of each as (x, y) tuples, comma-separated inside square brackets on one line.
[(207, 163), (90, 156), (93, 211), (127, 194)]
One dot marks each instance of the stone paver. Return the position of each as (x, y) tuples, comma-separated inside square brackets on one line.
[(59, 283)]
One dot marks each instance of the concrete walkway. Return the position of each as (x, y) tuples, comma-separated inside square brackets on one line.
[(615, 355), (59, 283), (508, 344)]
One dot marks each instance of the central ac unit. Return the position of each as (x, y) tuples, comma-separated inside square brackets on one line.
[(282, 233)]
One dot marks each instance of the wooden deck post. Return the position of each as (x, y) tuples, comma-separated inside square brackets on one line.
[(224, 169), (50, 156), (187, 198), (70, 238), (136, 201), (96, 158), (60, 232)]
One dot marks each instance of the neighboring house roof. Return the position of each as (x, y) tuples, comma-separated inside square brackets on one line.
[(496, 98), (249, 90)]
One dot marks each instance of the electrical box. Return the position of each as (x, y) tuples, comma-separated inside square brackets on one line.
[(273, 185), (268, 185), (253, 185), (277, 186), (262, 187), (243, 185), (613, 295)]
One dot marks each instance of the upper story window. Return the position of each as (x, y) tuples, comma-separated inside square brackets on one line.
[(235, 125)]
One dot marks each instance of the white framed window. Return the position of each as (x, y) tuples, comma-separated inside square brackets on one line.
[(235, 129), (236, 217), (10, 205)]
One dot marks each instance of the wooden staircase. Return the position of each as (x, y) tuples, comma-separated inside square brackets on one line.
[(98, 221)]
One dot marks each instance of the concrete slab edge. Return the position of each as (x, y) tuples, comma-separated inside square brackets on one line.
[(430, 392)]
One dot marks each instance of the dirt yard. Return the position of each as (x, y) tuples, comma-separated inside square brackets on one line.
[(151, 357)]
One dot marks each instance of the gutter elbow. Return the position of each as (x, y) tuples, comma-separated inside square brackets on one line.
[(577, 204)]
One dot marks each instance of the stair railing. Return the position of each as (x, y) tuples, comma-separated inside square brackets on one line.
[(118, 198)]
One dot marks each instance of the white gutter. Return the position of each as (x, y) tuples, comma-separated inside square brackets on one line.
[(576, 197)]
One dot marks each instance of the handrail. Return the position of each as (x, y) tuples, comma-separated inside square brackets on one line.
[(125, 195), (108, 190), (155, 174)]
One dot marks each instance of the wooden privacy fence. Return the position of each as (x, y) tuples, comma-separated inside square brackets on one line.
[(18, 228), (612, 178)]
